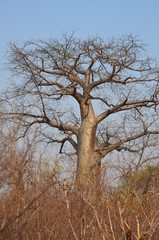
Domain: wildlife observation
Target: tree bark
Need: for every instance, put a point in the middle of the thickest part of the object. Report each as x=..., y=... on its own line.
x=88, y=160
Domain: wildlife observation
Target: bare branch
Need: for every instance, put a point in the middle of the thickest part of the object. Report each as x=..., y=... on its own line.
x=118, y=146
x=125, y=106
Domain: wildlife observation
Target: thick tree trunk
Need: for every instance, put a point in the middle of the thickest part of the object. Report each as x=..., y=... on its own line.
x=88, y=160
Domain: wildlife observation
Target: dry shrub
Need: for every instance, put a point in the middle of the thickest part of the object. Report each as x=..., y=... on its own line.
x=55, y=211
x=37, y=203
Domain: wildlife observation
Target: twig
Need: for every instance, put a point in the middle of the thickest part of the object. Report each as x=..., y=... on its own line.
x=121, y=219
x=96, y=216
x=128, y=227
x=110, y=222
x=138, y=228
x=68, y=210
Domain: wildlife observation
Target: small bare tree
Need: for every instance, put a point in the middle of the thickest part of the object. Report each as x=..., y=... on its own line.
x=100, y=96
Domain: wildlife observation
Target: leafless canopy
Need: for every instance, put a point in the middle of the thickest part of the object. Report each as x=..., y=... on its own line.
x=61, y=82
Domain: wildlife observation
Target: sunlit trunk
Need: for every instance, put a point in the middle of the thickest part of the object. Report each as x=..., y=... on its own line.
x=88, y=160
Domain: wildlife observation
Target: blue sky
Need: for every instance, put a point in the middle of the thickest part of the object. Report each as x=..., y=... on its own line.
x=22, y=20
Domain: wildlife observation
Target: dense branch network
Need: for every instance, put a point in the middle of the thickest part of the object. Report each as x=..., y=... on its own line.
x=115, y=74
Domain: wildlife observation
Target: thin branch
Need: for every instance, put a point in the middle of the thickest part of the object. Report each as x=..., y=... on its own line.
x=119, y=144
x=125, y=106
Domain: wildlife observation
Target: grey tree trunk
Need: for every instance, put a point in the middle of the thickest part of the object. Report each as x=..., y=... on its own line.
x=88, y=160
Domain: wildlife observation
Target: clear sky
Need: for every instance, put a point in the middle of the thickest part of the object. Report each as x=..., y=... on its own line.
x=40, y=19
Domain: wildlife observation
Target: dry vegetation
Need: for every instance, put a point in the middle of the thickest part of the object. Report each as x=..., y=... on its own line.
x=37, y=203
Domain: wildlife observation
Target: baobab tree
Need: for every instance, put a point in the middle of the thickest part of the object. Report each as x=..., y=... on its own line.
x=101, y=96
